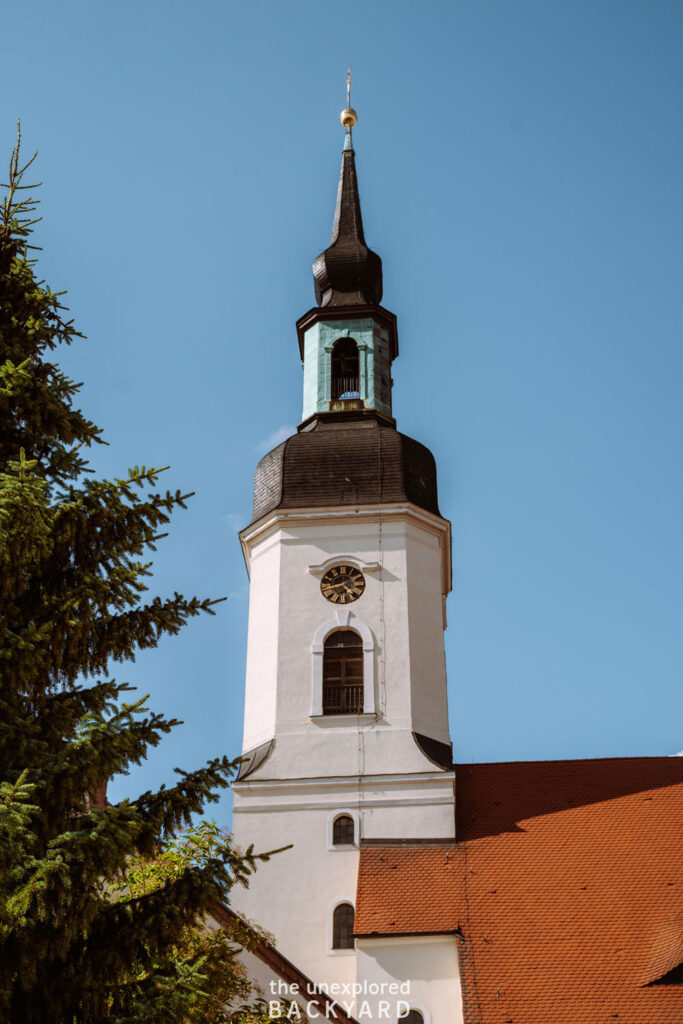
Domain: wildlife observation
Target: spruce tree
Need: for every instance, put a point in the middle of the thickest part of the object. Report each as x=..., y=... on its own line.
x=74, y=558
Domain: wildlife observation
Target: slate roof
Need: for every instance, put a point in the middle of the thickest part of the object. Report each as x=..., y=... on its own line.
x=347, y=272
x=565, y=884
x=341, y=462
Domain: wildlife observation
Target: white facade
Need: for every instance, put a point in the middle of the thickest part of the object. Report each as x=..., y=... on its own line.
x=404, y=553
x=366, y=765
x=429, y=962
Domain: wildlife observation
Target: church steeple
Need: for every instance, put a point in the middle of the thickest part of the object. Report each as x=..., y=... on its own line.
x=348, y=340
x=346, y=715
x=348, y=273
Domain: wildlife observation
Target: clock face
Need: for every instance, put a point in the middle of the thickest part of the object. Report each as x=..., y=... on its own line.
x=342, y=584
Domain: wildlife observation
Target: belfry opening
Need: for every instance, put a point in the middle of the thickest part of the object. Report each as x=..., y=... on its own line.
x=345, y=370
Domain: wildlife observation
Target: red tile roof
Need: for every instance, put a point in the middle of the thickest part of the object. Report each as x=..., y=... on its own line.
x=423, y=884
x=566, y=883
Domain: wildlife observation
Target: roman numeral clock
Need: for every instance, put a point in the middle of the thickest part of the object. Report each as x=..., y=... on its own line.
x=342, y=584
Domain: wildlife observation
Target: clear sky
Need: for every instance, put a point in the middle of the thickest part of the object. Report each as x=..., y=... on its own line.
x=520, y=167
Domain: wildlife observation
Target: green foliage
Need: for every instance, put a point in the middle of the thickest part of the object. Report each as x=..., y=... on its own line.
x=200, y=963
x=74, y=561
x=35, y=396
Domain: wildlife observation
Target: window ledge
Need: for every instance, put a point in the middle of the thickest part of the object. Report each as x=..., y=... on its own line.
x=369, y=716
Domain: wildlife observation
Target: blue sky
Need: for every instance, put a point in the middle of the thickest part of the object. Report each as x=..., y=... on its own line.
x=520, y=167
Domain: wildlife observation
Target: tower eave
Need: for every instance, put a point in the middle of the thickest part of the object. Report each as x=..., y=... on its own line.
x=318, y=313
x=273, y=518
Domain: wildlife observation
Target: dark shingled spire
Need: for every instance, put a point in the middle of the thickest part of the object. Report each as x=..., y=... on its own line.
x=347, y=273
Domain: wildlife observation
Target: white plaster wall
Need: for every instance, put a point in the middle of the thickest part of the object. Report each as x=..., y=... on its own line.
x=303, y=610
x=390, y=806
x=402, y=608
x=292, y=895
x=262, y=648
x=370, y=764
x=430, y=965
x=429, y=700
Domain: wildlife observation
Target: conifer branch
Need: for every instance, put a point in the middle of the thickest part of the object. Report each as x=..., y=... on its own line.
x=74, y=572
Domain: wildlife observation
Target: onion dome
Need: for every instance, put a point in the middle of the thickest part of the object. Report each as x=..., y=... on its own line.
x=342, y=462
x=347, y=273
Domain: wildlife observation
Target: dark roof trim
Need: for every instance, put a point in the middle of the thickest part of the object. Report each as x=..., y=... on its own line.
x=672, y=977
x=337, y=418
x=254, y=758
x=398, y=935
x=439, y=841
x=439, y=753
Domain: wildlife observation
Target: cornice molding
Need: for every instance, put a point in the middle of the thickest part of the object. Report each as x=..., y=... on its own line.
x=257, y=532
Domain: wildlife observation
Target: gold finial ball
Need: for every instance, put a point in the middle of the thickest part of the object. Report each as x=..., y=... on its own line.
x=348, y=117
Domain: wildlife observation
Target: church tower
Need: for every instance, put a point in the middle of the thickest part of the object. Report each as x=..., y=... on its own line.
x=346, y=740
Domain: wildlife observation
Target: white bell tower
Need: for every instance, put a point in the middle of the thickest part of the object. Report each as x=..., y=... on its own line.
x=346, y=722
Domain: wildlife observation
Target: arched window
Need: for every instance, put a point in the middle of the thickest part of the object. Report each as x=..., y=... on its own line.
x=345, y=369
x=343, y=831
x=343, y=673
x=411, y=1017
x=342, y=927
x=323, y=651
